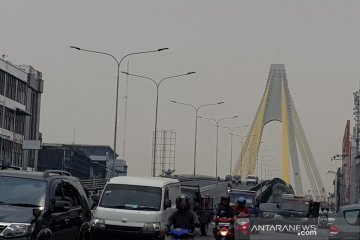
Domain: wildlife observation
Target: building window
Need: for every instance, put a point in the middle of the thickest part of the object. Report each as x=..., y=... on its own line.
x=9, y=119
x=17, y=161
x=2, y=82
x=21, y=92
x=10, y=86
x=1, y=115
x=19, y=124
x=6, y=149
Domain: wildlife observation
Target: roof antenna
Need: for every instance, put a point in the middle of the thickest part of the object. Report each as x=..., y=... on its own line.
x=74, y=137
x=4, y=56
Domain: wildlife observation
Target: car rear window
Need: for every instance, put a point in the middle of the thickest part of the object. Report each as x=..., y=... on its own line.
x=352, y=217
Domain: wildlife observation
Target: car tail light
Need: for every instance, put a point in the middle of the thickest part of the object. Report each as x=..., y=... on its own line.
x=333, y=231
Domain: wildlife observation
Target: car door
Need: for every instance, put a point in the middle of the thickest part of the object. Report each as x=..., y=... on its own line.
x=58, y=221
x=74, y=216
x=352, y=229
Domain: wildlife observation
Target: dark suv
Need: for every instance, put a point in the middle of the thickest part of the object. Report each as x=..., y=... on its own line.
x=42, y=205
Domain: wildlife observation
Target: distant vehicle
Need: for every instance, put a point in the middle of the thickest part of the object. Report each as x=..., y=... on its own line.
x=228, y=178
x=298, y=209
x=347, y=223
x=42, y=205
x=236, y=179
x=251, y=179
x=250, y=197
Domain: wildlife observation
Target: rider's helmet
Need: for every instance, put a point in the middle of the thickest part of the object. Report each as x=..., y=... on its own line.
x=225, y=199
x=241, y=201
x=183, y=202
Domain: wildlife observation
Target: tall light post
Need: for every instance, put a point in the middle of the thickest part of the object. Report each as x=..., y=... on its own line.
x=118, y=63
x=157, y=84
x=231, y=143
x=196, y=117
x=217, y=140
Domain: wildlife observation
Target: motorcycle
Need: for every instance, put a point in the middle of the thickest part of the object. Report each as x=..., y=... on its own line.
x=242, y=227
x=225, y=229
x=180, y=233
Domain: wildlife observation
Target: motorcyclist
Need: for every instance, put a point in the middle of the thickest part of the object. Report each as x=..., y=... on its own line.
x=183, y=217
x=224, y=210
x=323, y=212
x=241, y=208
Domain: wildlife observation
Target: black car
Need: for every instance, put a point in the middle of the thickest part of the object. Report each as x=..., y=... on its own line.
x=297, y=211
x=42, y=205
x=347, y=223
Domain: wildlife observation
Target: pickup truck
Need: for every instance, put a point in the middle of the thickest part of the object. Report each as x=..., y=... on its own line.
x=203, y=206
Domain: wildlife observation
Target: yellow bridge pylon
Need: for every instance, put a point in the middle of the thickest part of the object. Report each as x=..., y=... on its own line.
x=277, y=105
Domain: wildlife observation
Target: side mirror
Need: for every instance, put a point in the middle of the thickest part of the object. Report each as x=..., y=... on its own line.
x=167, y=204
x=61, y=206
x=36, y=212
x=278, y=205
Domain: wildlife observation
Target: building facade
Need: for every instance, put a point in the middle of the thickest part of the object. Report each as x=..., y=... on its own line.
x=83, y=161
x=20, y=100
x=103, y=156
x=66, y=158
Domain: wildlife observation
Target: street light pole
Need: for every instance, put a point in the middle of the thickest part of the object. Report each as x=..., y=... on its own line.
x=231, y=143
x=217, y=140
x=157, y=84
x=118, y=63
x=196, y=117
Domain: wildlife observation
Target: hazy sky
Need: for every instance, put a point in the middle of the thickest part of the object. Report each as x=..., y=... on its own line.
x=230, y=45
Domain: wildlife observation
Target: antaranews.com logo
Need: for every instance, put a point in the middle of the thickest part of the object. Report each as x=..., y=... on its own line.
x=301, y=230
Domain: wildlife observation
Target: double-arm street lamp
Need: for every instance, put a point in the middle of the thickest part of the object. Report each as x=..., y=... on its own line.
x=231, y=143
x=118, y=63
x=157, y=84
x=217, y=139
x=196, y=109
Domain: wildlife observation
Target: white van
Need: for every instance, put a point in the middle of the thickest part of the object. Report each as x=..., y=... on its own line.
x=134, y=207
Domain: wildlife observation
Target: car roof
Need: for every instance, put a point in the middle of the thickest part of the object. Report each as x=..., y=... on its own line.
x=143, y=181
x=33, y=175
x=350, y=207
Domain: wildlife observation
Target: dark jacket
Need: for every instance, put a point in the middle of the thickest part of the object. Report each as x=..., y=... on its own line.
x=183, y=219
x=225, y=211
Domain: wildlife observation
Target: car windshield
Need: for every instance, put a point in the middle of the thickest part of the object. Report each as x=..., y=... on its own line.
x=22, y=191
x=268, y=208
x=131, y=197
x=299, y=207
x=251, y=177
